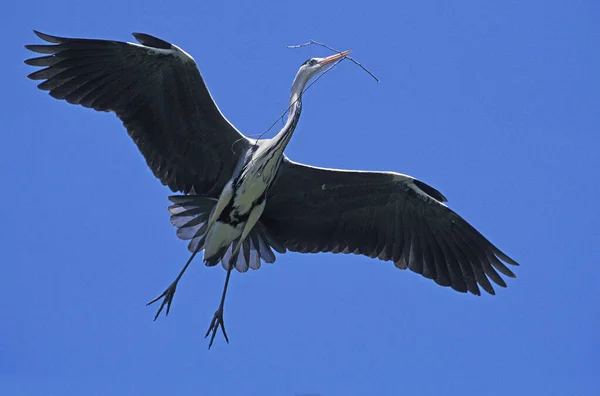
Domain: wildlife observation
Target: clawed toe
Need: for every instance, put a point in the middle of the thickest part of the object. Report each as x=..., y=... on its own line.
x=167, y=297
x=216, y=322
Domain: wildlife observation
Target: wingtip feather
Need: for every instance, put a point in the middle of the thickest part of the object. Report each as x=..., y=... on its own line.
x=49, y=38
x=151, y=41
x=505, y=258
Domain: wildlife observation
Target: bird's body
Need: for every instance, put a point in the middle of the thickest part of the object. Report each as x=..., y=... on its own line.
x=243, y=198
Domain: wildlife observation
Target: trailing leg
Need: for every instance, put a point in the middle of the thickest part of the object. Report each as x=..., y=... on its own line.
x=218, y=316
x=169, y=293
x=217, y=320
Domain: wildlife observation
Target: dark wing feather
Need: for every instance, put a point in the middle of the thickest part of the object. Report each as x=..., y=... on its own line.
x=157, y=91
x=384, y=215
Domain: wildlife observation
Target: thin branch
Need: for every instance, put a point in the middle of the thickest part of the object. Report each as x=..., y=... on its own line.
x=300, y=96
x=309, y=85
x=334, y=50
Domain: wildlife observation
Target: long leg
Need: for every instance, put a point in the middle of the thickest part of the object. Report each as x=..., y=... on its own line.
x=169, y=293
x=218, y=316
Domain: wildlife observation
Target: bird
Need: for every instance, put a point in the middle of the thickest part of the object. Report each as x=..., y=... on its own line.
x=240, y=199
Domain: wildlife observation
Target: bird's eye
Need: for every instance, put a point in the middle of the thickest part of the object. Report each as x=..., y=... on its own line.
x=312, y=62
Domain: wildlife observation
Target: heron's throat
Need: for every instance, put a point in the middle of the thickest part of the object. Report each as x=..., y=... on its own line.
x=281, y=140
x=298, y=85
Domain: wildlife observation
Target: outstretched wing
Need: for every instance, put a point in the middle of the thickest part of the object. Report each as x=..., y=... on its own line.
x=386, y=215
x=157, y=91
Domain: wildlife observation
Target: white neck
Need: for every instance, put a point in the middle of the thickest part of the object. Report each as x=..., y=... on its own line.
x=295, y=108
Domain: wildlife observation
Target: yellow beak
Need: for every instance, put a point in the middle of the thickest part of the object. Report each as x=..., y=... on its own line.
x=333, y=58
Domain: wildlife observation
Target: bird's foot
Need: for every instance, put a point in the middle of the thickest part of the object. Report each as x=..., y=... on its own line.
x=167, y=297
x=214, y=326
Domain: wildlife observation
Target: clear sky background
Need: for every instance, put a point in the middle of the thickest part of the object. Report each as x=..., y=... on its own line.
x=494, y=103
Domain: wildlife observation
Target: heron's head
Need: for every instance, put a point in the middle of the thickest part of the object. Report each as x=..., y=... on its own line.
x=311, y=68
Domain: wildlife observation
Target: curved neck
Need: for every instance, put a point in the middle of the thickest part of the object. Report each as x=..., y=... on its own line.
x=280, y=141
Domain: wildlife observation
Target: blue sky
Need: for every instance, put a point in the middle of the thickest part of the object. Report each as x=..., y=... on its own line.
x=496, y=105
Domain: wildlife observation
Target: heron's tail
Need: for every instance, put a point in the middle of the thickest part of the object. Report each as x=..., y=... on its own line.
x=190, y=214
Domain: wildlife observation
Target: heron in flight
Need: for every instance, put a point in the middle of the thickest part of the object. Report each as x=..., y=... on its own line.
x=243, y=198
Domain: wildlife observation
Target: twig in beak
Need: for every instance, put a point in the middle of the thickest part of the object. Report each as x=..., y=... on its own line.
x=334, y=50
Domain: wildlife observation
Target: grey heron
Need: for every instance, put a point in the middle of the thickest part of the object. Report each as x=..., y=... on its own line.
x=243, y=198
